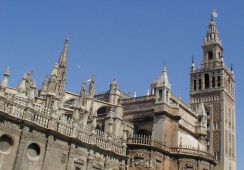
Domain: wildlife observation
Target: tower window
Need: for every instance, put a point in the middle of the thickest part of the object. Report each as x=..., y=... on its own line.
x=160, y=92
x=200, y=84
x=195, y=84
x=220, y=56
x=167, y=96
x=213, y=82
x=219, y=81
x=206, y=81
x=210, y=55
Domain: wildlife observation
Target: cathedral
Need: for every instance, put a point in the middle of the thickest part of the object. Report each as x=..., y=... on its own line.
x=50, y=128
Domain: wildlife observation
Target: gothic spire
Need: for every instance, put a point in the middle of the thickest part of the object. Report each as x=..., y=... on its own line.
x=64, y=55
x=57, y=79
x=63, y=69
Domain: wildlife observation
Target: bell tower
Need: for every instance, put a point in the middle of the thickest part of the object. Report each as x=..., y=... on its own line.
x=213, y=85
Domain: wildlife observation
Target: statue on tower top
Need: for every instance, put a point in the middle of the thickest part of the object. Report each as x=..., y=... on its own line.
x=214, y=14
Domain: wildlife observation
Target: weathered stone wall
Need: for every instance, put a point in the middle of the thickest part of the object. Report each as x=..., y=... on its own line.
x=34, y=149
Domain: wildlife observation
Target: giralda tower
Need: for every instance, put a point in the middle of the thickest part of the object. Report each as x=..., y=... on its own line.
x=213, y=85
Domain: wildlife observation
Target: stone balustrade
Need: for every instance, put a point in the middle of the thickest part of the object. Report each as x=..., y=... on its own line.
x=64, y=128
x=101, y=133
x=19, y=107
x=117, y=139
x=144, y=140
x=140, y=99
x=41, y=120
x=212, y=65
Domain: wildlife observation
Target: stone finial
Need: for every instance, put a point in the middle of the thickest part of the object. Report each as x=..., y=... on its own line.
x=163, y=79
x=32, y=90
x=83, y=91
x=4, y=83
x=114, y=82
x=22, y=86
x=201, y=110
x=193, y=68
x=44, y=87
x=92, y=86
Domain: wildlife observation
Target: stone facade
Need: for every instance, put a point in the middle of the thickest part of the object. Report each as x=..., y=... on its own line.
x=50, y=128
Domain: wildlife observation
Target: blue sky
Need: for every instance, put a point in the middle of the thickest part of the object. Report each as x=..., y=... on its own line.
x=129, y=40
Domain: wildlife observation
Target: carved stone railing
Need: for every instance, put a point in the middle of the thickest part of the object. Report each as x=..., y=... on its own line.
x=40, y=119
x=147, y=141
x=191, y=151
x=101, y=133
x=140, y=99
x=205, y=66
x=117, y=139
x=64, y=128
x=142, y=140
x=40, y=109
x=102, y=95
x=19, y=107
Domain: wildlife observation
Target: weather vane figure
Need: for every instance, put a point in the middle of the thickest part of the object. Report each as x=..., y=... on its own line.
x=214, y=14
